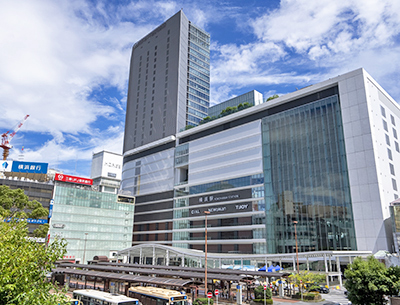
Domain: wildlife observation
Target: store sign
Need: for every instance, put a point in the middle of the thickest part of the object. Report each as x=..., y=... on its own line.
x=73, y=179
x=221, y=197
x=112, y=175
x=112, y=165
x=222, y=209
x=29, y=167
x=37, y=221
x=58, y=225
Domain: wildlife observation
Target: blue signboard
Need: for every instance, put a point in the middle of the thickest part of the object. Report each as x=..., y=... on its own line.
x=51, y=208
x=29, y=167
x=39, y=221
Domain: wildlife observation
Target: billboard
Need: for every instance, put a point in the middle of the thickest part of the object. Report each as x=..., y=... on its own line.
x=73, y=179
x=29, y=167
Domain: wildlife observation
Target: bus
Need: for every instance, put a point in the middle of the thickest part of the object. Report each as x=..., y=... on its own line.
x=97, y=297
x=157, y=296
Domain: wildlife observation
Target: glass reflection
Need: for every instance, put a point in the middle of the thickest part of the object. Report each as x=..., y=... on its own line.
x=306, y=179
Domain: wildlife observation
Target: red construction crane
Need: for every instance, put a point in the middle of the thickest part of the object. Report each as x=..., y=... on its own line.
x=7, y=137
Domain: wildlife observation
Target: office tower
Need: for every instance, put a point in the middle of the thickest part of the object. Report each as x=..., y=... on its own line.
x=326, y=156
x=169, y=82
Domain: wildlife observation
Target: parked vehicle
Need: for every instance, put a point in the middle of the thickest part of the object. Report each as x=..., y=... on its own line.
x=320, y=289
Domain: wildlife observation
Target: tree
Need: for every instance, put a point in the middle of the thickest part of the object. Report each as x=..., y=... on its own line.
x=309, y=279
x=23, y=266
x=259, y=292
x=14, y=204
x=369, y=281
x=272, y=97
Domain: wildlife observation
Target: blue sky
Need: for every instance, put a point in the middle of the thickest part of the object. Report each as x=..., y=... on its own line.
x=65, y=63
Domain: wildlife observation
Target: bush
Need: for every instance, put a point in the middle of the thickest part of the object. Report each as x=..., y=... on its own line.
x=267, y=301
x=203, y=301
x=259, y=292
x=308, y=296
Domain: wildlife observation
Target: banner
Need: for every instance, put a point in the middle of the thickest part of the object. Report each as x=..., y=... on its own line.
x=29, y=167
x=73, y=179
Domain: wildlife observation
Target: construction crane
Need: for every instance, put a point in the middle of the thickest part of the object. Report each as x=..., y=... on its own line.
x=7, y=137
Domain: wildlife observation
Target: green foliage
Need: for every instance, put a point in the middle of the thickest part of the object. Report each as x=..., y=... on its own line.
x=24, y=265
x=308, y=279
x=259, y=292
x=188, y=127
x=369, y=281
x=272, y=97
x=15, y=204
x=310, y=296
x=267, y=301
x=203, y=301
x=41, y=231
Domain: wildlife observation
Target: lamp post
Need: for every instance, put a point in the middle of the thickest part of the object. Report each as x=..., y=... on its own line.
x=297, y=257
x=205, y=263
x=297, y=249
x=84, y=247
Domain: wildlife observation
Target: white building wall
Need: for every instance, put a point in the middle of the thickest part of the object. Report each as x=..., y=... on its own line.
x=236, y=152
x=367, y=157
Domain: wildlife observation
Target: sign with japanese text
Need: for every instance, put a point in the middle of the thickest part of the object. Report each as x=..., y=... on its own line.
x=221, y=197
x=29, y=167
x=222, y=209
x=73, y=179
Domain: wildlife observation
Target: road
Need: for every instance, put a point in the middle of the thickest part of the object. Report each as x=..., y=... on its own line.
x=333, y=296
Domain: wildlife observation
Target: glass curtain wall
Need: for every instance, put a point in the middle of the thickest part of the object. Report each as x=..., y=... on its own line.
x=198, y=86
x=306, y=179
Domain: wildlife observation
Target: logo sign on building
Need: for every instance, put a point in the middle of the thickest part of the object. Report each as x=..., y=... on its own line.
x=58, y=225
x=51, y=208
x=222, y=209
x=6, y=166
x=29, y=167
x=73, y=179
x=221, y=197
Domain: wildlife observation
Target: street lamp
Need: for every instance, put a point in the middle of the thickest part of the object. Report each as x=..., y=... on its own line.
x=205, y=284
x=84, y=247
x=297, y=249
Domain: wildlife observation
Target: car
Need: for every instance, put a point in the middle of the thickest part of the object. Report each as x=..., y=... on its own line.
x=331, y=303
x=320, y=289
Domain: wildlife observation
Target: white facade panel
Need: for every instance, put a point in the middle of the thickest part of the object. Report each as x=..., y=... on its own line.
x=368, y=158
x=150, y=174
x=236, y=152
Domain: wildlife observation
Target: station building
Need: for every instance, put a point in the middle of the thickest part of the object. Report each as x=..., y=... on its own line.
x=326, y=156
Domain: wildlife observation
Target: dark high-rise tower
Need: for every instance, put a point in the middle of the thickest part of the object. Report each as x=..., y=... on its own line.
x=169, y=82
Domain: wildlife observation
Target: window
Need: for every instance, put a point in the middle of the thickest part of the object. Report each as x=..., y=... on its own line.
x=392, y=119
x=397, y=146
x=390, y=154
x=395, y=133
x=394, y=184
x=391, y=169
x=387, y=140
x=383, y=111
x=385, y=126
